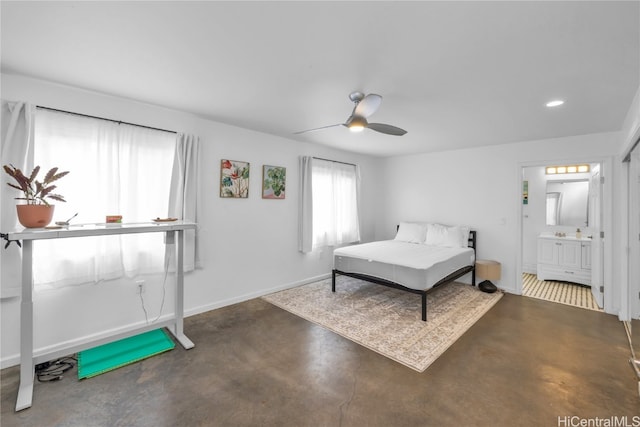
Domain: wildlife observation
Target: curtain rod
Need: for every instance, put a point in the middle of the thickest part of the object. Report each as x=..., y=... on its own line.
x=103, y=118
x=334, y=161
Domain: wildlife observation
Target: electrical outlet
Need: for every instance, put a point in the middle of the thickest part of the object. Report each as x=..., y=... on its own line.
x=141, y=287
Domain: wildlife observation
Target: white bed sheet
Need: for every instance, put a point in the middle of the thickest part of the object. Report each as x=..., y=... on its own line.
x=415, y=266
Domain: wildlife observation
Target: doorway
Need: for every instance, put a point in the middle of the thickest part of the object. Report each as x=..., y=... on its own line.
x=562, y=232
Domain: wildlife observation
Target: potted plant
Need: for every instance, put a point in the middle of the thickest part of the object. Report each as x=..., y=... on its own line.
x=36, y=212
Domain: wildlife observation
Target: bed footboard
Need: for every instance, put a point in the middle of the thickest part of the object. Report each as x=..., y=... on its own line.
x=423, y=293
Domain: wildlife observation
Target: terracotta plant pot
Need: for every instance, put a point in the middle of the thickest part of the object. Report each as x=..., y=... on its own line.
x=35, y=216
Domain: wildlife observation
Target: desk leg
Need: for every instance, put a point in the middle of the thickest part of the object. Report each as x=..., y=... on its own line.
x=27, y=368
x=178, y=331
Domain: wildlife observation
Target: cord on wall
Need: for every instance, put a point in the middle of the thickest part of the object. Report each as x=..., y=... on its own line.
x=141, y=284
x=164, y=283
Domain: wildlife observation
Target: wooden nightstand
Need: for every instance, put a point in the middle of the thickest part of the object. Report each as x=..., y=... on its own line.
x=488, y=270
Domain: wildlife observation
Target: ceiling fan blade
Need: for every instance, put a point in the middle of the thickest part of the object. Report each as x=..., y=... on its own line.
x=388, y=129
x=368, y=105
x=320, y=128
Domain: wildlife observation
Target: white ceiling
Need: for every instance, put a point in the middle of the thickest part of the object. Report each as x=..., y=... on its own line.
x=453, y=74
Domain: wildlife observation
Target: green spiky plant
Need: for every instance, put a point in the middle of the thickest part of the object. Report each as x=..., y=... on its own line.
x=35, y=192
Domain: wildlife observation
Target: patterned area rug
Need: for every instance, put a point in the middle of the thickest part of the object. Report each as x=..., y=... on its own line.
x=560, y=292
x=388, y=320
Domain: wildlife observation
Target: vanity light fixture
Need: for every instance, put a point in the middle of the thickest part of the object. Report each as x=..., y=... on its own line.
x=555, y=170
x=555, y=103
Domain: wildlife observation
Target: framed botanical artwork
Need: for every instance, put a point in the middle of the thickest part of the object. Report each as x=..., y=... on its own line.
x=234, y=179
x=274, y=179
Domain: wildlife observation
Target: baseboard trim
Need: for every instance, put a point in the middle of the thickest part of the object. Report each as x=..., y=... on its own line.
x=510, y=290
x=245, y=297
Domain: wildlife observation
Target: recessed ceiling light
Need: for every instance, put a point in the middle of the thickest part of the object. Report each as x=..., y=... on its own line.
x=555, y=103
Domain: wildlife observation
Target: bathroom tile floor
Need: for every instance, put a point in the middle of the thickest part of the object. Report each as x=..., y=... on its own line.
x=561, y=292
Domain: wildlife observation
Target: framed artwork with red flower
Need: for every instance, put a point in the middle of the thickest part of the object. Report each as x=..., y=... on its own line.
x=234, y=179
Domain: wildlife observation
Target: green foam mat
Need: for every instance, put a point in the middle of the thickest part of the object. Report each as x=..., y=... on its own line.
x=108, y=357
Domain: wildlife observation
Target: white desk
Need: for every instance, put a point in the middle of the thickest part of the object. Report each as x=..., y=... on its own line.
x=28, y=359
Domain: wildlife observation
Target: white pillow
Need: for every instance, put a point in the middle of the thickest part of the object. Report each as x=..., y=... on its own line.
x=465, y=236
x=452, y=237
x=436, y=234
x=442, y=235
x=411, y=232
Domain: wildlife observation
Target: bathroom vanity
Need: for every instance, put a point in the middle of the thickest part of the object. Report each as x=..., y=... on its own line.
x=564, y=258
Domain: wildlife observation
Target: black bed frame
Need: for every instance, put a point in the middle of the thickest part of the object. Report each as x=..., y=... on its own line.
x=453, y=276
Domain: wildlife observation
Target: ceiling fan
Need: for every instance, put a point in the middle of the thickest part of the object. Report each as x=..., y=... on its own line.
x=357, y=121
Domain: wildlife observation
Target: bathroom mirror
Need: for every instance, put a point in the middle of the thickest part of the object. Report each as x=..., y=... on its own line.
x=567, y=202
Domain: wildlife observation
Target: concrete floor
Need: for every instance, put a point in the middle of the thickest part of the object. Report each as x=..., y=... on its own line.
x=526, y=362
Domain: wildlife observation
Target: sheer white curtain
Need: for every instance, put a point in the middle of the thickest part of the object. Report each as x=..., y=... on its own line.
x=305, y=211
x=17, y=149
x=334, y=203
x=183, y=199
x=115, y=169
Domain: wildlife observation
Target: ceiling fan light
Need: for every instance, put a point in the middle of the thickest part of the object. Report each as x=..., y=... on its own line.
x=357, y=124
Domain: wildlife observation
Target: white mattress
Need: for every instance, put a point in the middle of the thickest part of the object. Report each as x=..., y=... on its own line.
x=415, y=266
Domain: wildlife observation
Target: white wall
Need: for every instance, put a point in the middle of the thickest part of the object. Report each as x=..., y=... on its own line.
x=249, y=246
x=631, y=125
x=480, y=187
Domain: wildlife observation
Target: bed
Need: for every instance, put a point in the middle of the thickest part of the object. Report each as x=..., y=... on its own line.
x=420, y=258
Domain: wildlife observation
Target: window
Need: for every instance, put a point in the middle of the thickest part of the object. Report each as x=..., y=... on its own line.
x=553, y=208
x=334, y=200
x=115, y=169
